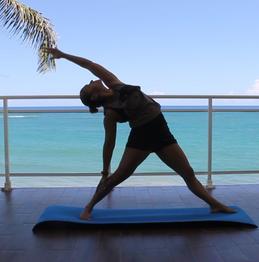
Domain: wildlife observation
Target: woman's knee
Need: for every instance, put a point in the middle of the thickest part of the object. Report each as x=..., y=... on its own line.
x=123, y=172
x=117, y=177
x=187, y=173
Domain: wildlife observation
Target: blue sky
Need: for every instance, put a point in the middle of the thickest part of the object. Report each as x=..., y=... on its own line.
x=166, y=46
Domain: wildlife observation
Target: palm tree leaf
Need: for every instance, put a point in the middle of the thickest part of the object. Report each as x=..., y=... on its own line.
x=32, y=27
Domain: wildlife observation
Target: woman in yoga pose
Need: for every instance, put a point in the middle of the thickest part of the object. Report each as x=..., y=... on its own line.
x=149, y=132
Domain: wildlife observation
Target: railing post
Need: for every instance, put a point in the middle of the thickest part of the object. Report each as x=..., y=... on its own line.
x=209, y=178
x=7, y=186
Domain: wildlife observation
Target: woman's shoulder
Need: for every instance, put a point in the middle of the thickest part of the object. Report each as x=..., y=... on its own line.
x=125, y=86
x=117, y=85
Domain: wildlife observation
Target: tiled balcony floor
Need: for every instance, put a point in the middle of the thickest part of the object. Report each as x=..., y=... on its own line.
x=20, y=209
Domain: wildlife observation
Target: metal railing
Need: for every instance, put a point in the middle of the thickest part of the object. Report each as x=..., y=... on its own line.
x=210, y=98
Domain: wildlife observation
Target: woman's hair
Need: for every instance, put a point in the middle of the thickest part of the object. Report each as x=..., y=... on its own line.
x=86, y=100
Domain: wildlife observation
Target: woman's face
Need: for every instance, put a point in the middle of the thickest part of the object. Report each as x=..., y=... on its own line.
x=96, y=91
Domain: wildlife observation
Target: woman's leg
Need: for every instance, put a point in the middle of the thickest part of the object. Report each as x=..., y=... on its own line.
x=174, y=157
x=131, y=159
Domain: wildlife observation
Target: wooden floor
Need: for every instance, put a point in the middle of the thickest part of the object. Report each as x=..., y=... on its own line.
x=20, y=209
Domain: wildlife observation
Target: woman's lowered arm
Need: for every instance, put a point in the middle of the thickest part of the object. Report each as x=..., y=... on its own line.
x=110, y=125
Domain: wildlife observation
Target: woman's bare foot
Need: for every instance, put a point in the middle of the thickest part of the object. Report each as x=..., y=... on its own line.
x=222, y=209
x=85, y=215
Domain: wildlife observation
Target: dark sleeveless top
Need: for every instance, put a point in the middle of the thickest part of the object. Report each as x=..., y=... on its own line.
x=133, y=105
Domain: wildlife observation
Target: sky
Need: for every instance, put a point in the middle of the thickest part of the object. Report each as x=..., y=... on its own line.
x=173, y=47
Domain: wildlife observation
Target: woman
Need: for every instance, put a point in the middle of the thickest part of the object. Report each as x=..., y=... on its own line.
x=149, y=132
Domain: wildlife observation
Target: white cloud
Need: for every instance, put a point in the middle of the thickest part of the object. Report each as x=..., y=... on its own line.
x=254, y=90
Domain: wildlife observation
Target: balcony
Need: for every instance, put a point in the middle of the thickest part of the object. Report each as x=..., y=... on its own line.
x=21, y=207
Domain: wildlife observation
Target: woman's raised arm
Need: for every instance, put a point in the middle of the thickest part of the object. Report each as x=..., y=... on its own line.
x=102, y=73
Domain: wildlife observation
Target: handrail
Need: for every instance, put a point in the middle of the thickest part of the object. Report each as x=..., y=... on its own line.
x=210, y=109
x=153, y=96
x=73, y=110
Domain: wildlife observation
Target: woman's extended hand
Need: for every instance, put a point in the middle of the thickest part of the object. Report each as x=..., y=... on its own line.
x=56, y=53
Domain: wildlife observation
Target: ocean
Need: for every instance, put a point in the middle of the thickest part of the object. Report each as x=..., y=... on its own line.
x=72, y=142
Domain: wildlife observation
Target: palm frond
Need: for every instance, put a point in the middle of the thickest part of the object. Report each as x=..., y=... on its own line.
x=32, y=27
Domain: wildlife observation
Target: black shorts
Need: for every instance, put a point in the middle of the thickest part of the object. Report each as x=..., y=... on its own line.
x=151, y=136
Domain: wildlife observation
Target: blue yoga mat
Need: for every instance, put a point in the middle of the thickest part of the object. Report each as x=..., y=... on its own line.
x=70, y=214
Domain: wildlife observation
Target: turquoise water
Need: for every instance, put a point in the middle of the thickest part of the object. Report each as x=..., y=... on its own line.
x=72, y=142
